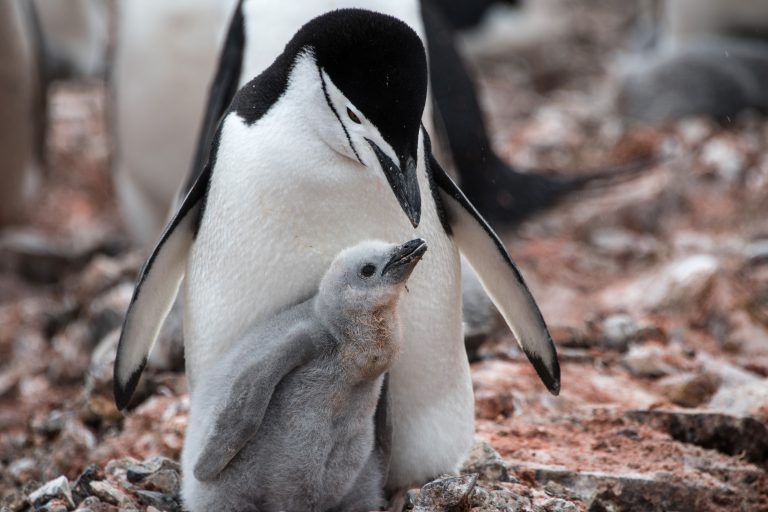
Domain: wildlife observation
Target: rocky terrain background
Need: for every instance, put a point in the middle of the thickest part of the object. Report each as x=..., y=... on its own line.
x=656, y=291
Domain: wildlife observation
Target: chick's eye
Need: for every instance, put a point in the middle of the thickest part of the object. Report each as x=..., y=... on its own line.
x=367, y=270
x=353, y=116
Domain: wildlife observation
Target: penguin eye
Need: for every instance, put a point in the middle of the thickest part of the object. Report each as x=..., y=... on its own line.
x=353, y=116
x=367, y=270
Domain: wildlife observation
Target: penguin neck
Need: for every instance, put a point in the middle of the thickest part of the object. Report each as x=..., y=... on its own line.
x=368, y=338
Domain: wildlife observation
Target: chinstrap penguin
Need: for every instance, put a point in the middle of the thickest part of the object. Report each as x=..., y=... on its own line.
x=174, y=46
x=322, y=150
x=285, y=421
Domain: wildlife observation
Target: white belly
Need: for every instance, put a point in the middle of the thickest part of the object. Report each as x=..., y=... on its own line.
x=268, y=235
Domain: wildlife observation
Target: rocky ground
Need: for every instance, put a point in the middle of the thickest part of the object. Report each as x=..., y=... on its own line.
x=656, y=291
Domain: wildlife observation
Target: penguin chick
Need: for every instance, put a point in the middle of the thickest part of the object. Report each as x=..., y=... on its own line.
x=286, y=420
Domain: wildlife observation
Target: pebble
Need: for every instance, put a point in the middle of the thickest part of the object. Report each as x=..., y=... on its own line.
x=445, y=494
x=690, y=389
x=749, y=399
x=486, y=462
x=679, y=283
x=158, y=500
x=647, y=361
x=105, y=491
x=619, y=331
x=56, y=488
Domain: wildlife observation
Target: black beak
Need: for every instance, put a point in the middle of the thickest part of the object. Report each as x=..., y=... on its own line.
x=403, y=260
x=403, y=181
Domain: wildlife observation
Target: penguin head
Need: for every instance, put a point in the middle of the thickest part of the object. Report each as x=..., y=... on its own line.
x=367, y=73
x=358, y=300
x=368, y=277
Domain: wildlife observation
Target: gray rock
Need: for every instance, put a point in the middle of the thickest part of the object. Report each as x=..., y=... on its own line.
x=107, y=492
x=55, y=505
x=141, y=470
x=619, y=331
x=57, y=488
x=159, y=500
x=166, y=481
x=727, y=434
x=647, y=361
x=634, y=491
x=741, y=400
x=448, y=494
x=556, y=505
x=92, y=504
x=690, y=389
x=680, y=283
x=486, y=462
x=81, y=490
x=22, y=469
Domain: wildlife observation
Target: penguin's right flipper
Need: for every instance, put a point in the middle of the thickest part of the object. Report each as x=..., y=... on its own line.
x=239, y=418
x=223, y=89
x=496, y=271
x=155, y=291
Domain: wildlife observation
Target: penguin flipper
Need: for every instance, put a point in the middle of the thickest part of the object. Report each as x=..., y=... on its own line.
x=238, y=420
x=223, y=88
x=498, y=274
x=155, y=291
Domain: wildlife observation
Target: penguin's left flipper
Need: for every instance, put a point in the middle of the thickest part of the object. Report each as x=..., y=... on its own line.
x=222, y=90
x=239, y=418
x=497, y=272
x=153, y=297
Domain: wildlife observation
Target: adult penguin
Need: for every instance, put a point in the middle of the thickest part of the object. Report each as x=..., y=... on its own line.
x=19, y=103
x=174, y=46
x=323, y=149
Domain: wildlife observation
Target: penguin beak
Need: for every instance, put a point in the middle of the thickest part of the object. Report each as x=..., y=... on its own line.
x=403, y=260
x=403, y=181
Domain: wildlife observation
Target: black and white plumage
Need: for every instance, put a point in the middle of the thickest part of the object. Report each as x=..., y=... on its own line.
x=285, y=421
x=297, y=171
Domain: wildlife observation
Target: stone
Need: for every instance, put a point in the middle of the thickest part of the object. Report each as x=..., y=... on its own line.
x=619, y=331
x=623, y=244
x=556, y=505
x=647, y=361
x=94, y=504
x=635, y=491
x=166, y=481
x=23, y=469
x=743, y=399
x=690, y=389
x=448, y=493
x=81, y=490
x=727, y=434
x=55, y=505
x=158, y=500
x=138, y=471
x=14, y=502
x=682, y=282
x=486, y=463
x=35, y=257
x=491, y=404
x=58, y=488
x=107, y=492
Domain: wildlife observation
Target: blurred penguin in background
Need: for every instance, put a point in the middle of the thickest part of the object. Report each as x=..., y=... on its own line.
x=19, y=101
x=495, y=29
x=75, y=37
x=709, y=57
x=40, y=41
x=165, y=56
